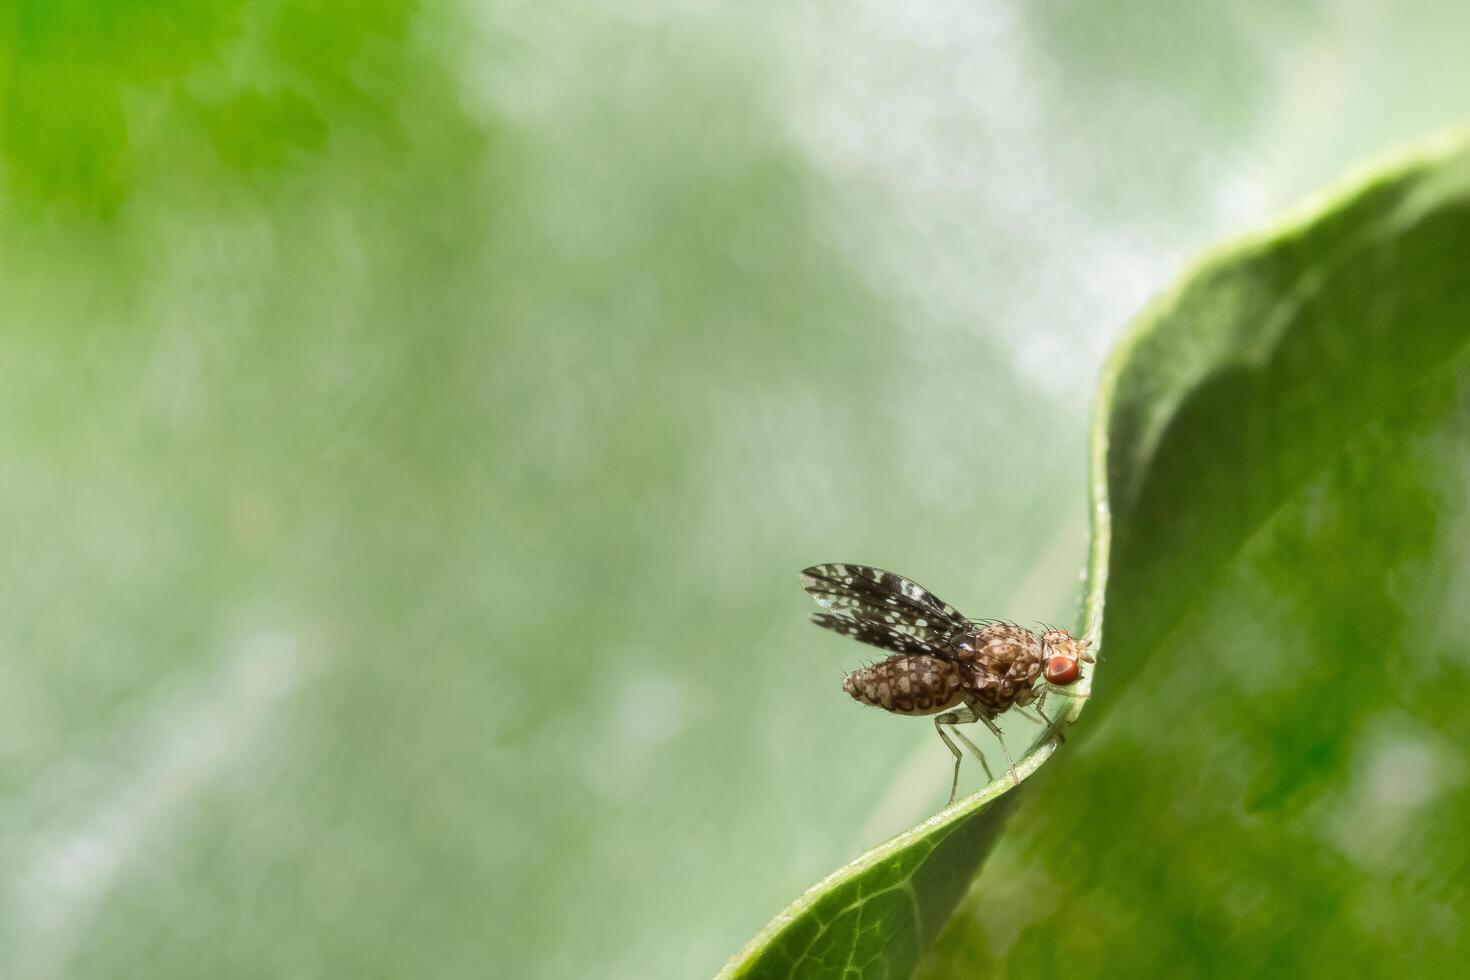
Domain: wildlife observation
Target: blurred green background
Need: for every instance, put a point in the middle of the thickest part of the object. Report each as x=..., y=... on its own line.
x=414, y=418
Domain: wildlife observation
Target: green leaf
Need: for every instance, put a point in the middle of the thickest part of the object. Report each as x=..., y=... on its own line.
x=875, y=916
x=1286, y=371
x=1283, y=789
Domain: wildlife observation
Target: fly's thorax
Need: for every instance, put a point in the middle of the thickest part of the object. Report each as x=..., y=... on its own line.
x=907, y=685
x=1004, y=645
x=1000, y=654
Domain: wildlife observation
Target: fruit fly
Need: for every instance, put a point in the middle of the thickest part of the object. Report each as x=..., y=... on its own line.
x=959, y=670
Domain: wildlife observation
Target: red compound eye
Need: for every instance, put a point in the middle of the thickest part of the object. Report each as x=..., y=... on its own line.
x=1062, y=671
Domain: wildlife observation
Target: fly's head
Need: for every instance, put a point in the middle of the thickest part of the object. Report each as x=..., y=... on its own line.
x=1064, y=657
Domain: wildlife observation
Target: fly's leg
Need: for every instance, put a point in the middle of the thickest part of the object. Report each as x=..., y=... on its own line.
x=1045, y=718
x=1061, y=735
x=950, y=718
x=995, y=729
x=989, y=776
x=1037, y=715
x=953, y=718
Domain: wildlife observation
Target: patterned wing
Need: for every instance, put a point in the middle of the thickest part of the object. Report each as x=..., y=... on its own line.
x=881, y=635
x=873, y=595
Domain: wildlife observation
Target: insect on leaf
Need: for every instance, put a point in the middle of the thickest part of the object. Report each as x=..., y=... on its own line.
x=1315, y=329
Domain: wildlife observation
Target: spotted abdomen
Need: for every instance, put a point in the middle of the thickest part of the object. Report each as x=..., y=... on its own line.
x=907, y=685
